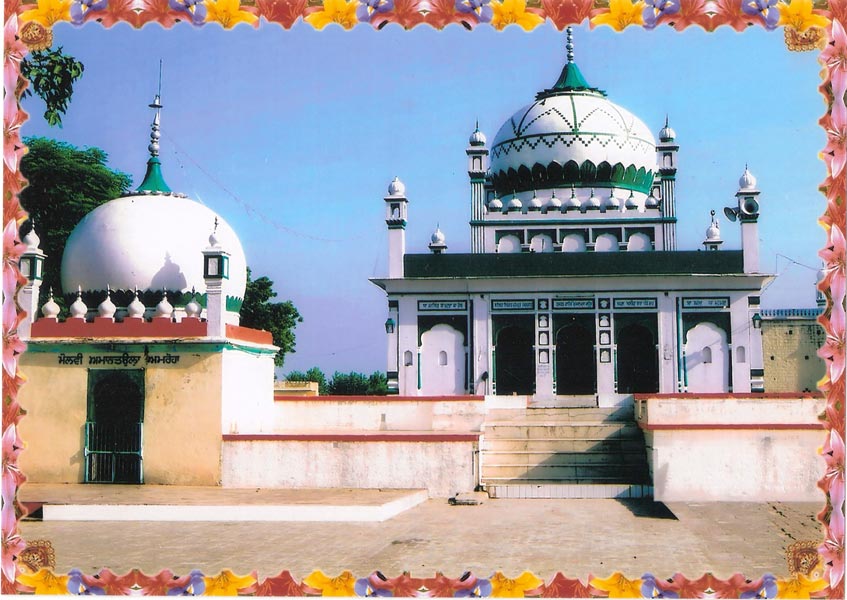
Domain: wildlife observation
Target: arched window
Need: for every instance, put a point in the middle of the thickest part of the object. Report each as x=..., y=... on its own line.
x=509, y=244
x=407, y=358
x=707, y=355
x=442, y=358
x=541, y=243
x=573, y=243
x=639, y=242
x=606, y=242
x=740, y=355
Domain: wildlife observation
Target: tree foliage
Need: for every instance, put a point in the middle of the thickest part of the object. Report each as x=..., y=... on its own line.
x=344, y=384
x=279, y=318
x=314, y=374
x=65, y=184
x=52, y=74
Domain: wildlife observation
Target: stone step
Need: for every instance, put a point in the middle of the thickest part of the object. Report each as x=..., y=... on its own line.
x=561, y=414
x=617, y=472
x=553, y=458
x=545, y=430
x=549, y=490
x=620, y=444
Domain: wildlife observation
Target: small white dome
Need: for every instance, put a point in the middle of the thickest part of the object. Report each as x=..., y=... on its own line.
x=136, y=308
x=611, y=202
x=193, y=309
x=631, y=203
x=747, y=181
x=651, y=201
x=593, y=202
x=396, y=187
x=667, y=134
x=514, y=204
x=78, y=309
x=164, y=308
x=31, y=240
x=554, y=202
x=477, y=138
x=534, y=203
x=50, y=309
x=495, y=205
x=437, y=236
x=573, y=201
x=107, y=308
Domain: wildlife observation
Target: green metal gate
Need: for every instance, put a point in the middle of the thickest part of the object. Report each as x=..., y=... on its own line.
x=113, y=452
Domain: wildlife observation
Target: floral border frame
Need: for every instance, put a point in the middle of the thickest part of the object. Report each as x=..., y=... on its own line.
x=807, y=25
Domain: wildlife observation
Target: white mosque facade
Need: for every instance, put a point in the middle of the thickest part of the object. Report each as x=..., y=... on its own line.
x=574, y=287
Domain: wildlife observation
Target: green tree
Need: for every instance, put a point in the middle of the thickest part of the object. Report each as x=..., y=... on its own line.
x=65, y=184
x=52, y=74
x=313, y=374
x=279, y=318
x=358, y=384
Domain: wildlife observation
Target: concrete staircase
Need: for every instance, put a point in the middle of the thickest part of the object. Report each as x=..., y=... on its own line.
x=564, y=453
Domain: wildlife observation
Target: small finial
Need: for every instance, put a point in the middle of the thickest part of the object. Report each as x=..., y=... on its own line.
x=216, y=225
x=569, y=45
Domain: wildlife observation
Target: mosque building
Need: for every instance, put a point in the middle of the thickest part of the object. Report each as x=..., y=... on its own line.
x=150, y=365
x=574, y=352
x=574, y=286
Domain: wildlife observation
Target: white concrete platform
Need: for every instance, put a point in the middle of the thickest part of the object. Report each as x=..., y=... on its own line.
x=175, y=503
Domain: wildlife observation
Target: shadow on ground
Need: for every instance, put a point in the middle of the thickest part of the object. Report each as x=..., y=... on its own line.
x=645, y=507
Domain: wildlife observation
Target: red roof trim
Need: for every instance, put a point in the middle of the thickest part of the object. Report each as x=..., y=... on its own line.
x=161, y=327
x=728, y=396
x=248, y=334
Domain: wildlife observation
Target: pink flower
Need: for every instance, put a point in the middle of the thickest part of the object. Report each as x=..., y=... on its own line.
x=835, y=153
x=12, y=544
x=834, y=57
x=833, y=350
x=13, y=147
x=567, y=12
x=14, y=51
x=12, y=250
x=832, y=550
x=12, y=476
x=833, y=453
x=729, y=12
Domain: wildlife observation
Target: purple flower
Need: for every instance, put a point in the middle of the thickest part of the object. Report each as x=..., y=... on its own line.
x=649, y=587
x=194, y=586
x=765, y=8
x=79, y=584
x=80, y=8
x=480, y=8
x=762, y=588
x=195, y=9
x=367, y=8
x=656, y=9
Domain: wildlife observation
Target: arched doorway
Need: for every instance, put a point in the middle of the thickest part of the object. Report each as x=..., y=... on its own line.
x=113, y=429
x=576, y=369
x=442, y=361
x=514, y=361
x=637, y=360
x=706, y=359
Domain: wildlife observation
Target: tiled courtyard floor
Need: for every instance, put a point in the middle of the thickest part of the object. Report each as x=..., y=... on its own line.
x=577, y=537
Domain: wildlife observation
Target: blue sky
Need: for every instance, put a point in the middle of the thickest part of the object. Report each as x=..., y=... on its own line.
x=293, y=136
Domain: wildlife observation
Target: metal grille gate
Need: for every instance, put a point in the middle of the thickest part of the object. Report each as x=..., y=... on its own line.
x=113, y=452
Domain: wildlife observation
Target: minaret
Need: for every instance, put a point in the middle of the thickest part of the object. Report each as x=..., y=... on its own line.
x=477, y=167
x=713, y=239
x=32, y=267
x=666, y=151
x=396, y=206
x=153, y=181
x=748, y=214
x=215, y=270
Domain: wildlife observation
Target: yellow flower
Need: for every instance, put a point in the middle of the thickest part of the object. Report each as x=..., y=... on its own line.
x=48, y=12
x=622, y=14
x=799, y=587
x=799, y=15
x=334, y=11
x=343, y=585
x=45, y=582
x=227, y=583
x=513, y=11
x=503, y=587
x=617, y=585
x=228, y=13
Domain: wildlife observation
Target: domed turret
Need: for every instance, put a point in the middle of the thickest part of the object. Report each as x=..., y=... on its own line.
x=667, y=134
x=713, y=234
x=477, y=137
x=78, y=310
x=50, y=310
x=747, y=180
x=107, y=308
x=396, y=187
x=437, y=242
x=150, y=239
x=554, y=203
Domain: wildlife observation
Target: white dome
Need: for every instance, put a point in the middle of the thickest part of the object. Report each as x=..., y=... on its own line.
x=477, y=138
x=154, y=242
x=576, y=126
x=747, y=181
x=437, y=236
x=396, y=187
